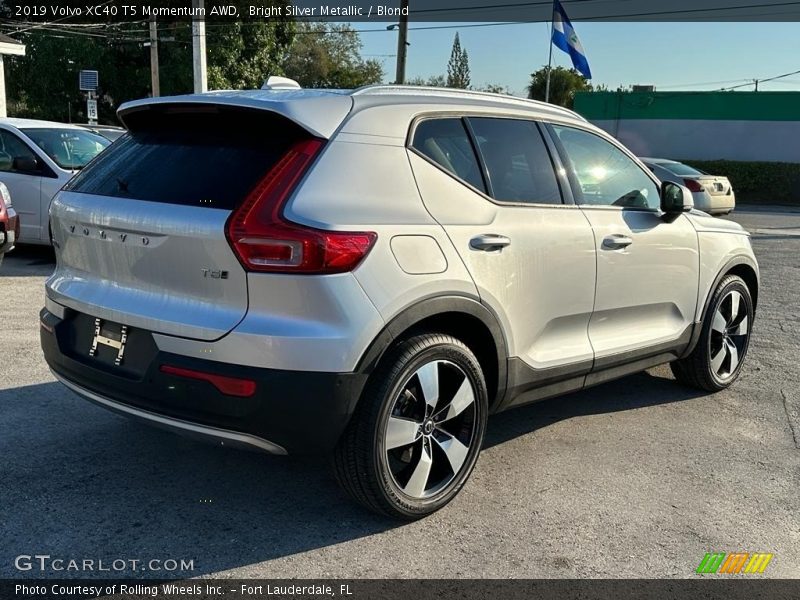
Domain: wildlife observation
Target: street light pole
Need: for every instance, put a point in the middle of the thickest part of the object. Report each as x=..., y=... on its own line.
x=154, y=80
x=402, y=43
x=199, y=48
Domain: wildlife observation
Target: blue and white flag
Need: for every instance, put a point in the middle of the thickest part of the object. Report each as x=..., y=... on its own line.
x=565, y=38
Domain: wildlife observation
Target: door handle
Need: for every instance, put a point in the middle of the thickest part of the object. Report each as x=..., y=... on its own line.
x=489, y=242
x=617, y=242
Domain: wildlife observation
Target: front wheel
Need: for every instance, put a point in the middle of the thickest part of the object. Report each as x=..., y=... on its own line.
x=416, y=435
x=717, y=359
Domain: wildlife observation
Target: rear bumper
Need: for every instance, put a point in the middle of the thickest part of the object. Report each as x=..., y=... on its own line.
x=215, y=435
x=295, y=412
x=714, y=204
x=7, y=239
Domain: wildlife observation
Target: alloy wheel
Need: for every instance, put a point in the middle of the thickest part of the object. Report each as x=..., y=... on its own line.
x=430, y=429
x=730, y=330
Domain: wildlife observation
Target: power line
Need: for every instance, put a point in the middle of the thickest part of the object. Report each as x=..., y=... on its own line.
x=756, y=82
x=47, y=26
x=702, y=83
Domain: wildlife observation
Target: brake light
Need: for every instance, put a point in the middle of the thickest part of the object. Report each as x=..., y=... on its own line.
x=693, y=185
x=230, y=386
x=264, y=241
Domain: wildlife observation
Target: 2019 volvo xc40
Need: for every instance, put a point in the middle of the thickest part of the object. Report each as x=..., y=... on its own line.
x=372, y=273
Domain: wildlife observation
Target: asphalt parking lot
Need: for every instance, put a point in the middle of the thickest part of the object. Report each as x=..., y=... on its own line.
x=636, y=478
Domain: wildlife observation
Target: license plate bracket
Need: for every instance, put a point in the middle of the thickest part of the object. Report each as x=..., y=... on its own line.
x=112, y=335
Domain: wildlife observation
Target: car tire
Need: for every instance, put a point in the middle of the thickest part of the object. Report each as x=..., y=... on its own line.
x=416, y=434
x=717, y=358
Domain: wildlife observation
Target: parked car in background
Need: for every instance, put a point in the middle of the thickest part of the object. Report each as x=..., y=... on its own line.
x=484, y=252
x=110, y=132
x=9, y=222
x=712, y=193
x=36, y=159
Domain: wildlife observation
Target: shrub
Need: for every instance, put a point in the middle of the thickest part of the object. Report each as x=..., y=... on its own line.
x=757, y=182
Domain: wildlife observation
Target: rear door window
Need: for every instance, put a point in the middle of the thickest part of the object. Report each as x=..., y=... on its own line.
x=446, y=142
x=519, y=165
x=205, y=159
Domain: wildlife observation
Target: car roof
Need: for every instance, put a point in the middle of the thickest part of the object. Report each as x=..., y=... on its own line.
x=659, y=161
x=35, y=124
x=322, y=111
x=428, y=95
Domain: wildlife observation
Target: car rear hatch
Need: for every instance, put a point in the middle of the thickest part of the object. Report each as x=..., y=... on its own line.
x=140, y=234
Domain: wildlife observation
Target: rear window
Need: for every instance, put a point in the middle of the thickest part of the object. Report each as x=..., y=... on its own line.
x=193, y=156
x=680, y=169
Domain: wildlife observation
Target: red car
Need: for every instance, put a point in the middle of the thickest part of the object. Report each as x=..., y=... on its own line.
x=9, y=222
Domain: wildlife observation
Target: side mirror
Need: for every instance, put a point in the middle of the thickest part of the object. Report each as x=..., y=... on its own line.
x=675, y=198
x=26, y=164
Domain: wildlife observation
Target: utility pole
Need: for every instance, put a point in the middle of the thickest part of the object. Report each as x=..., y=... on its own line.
x=155, y=87
x=756, y=82
x=402, y=43
x=199, y=47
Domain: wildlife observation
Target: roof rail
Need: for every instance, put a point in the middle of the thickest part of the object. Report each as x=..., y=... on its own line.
x=411, y=90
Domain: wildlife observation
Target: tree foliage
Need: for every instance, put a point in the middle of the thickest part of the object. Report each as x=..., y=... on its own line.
x=495, y=88
x=458, y=75
x=44, y=83
x=242, y=54
x=432, y=81
x=563, y=85
x=326, y=55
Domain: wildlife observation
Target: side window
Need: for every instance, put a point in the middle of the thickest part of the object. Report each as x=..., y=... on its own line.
x=519, y=164
x=445, y=142
x=603, y=174
x=12, y=147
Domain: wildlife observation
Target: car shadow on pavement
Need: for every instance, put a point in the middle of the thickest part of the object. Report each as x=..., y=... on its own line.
x=28, y=261
x=79, y=482
x=629, y=393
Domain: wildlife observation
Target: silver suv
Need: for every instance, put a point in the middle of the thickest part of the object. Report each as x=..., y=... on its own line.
x=371, y=273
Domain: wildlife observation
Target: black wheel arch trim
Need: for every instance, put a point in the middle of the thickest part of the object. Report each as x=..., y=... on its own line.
x=436, y=306
x=731, y=264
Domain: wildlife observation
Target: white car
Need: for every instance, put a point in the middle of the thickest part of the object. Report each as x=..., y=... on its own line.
x=36, y=159
x=711, y=193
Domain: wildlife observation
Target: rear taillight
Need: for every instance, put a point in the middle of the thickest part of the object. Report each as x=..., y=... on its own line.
x=264, y=241
x=693, y=185
x=230, y=386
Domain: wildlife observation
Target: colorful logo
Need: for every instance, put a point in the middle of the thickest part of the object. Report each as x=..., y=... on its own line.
x=733, y=563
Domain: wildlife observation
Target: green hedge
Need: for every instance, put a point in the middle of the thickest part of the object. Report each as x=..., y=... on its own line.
x=757, y=182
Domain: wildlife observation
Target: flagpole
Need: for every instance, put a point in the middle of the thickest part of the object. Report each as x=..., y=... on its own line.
x=550, y=57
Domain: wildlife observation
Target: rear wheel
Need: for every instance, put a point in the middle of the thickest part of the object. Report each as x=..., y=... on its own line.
x=417, y=433
x=717, y=359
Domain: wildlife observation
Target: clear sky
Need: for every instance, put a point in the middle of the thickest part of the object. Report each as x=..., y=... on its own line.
x=668, y=55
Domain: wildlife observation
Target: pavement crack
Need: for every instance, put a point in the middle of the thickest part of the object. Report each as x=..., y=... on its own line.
x=789, y=419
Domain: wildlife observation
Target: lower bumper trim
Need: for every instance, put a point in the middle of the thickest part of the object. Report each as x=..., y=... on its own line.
x=222, y=437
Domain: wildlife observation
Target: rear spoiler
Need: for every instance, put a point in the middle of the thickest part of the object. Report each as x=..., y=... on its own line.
x=318, y=112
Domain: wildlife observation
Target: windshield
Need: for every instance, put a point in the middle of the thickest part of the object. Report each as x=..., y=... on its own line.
x=680, y=169
x=69, y=148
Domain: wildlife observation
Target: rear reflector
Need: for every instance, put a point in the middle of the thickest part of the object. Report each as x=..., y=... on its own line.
x=230, y=386
x=264, y=240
